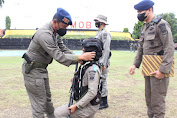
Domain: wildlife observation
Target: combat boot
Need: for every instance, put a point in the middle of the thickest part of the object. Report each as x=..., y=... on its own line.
x=104, y=103
x=51, y=115
x=50, y=110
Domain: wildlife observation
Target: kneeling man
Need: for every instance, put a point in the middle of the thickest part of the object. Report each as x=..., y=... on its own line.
x=87, y=85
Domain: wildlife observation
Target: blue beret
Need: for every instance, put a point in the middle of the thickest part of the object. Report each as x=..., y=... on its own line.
x=64, y=16
x=144, y=5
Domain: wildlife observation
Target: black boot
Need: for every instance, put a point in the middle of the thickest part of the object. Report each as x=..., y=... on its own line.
x=51, y=115
x=104, y=103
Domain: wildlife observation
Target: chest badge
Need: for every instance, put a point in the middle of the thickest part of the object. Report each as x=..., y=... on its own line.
x=151, y=28
x=152, y=43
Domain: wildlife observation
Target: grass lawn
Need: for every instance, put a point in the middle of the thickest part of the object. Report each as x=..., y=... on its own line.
x=126, y=93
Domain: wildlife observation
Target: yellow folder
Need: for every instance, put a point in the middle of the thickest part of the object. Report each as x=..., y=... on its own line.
x=152, y=63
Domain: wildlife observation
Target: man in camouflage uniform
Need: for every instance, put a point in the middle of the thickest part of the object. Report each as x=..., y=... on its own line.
x=105, y=36
x=43, y=48
x=155, y=39
x=88, y=76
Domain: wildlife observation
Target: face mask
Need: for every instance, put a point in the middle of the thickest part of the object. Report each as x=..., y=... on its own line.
x=61, y=32
x=97, y=24
x=141, y=17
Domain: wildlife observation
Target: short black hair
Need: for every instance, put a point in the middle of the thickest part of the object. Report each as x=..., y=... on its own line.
x=55, y=17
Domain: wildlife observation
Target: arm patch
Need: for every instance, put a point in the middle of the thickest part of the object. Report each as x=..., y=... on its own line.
x=104, y=35
x=163, y=29
x=92, y=75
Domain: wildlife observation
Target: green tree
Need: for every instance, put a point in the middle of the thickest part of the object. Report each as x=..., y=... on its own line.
x=8, y=22
x=137, y=29
x=1, y=2
x=170, y=18
x=125, y=30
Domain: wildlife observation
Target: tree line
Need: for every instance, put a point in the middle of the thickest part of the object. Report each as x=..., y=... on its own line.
x=1, y=2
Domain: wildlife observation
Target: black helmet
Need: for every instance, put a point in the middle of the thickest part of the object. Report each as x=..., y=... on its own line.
x=93, y=45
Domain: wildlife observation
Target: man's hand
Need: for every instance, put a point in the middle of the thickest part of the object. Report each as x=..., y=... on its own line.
x=132, y=70
x=158, y=74
x=72, y=108
x=87, y=56
x=103, y=68
x=71, y=80
x=81, y=62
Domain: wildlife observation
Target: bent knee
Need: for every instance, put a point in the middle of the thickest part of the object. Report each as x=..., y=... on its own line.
x=61, y=112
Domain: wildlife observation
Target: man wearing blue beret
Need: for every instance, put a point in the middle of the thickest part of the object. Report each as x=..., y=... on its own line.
x=155, y=39
x=45, y=46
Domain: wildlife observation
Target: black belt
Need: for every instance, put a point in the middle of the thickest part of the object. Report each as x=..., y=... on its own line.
x=159, y=53
x=39, y=65
x=33, y=63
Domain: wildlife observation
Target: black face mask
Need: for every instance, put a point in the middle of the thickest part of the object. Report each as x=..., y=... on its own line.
x=61, y=32
x=97, y=24
x=141, y=17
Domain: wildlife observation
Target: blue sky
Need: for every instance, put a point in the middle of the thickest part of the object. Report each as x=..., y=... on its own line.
x=31, y=14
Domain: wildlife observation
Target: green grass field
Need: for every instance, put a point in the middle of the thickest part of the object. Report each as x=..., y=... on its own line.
x=126, y=93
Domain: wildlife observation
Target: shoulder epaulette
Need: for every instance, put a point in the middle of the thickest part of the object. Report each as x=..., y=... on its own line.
x=158, y=19
x=94, y=68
